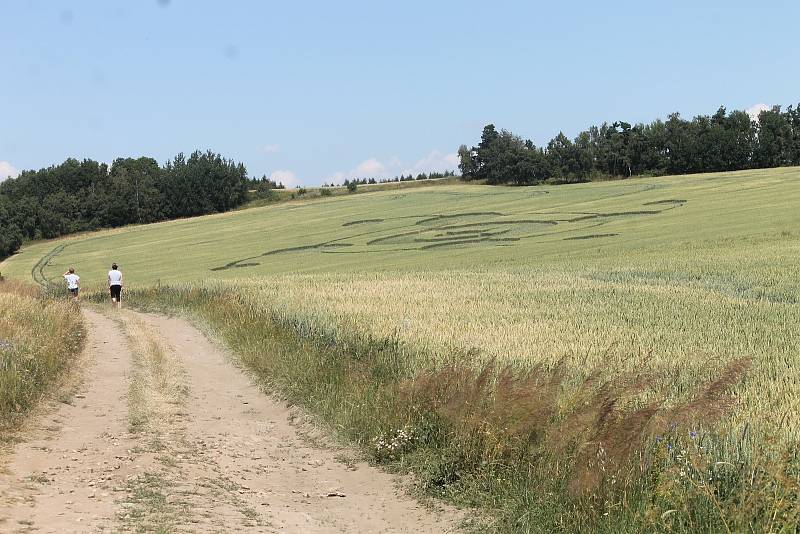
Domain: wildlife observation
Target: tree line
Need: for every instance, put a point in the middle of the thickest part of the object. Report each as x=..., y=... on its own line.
x=720, y=142
x=434, y=175
x=78, y=196
x=264, y=184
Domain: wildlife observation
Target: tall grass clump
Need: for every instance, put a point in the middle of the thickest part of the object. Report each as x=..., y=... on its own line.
x=39, y=340
x=537, y=447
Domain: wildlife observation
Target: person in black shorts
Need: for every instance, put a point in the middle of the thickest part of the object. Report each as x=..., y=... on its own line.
x=115, y=285
x=73, y=283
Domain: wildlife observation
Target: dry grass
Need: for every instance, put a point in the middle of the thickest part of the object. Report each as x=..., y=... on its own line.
x=39, y=341
x=507, y=416
x=20, y=289
x=158, y=385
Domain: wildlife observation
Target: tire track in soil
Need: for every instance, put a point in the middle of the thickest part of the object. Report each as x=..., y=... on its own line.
x=64, y=475
x=166, y=433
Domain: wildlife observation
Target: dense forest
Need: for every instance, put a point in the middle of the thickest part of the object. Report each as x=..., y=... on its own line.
x=76, y=196
x=720, y=142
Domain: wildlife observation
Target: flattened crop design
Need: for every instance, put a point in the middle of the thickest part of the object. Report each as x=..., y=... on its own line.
x=434, y=231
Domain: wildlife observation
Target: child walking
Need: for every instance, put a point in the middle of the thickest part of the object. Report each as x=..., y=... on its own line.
x=73, y=283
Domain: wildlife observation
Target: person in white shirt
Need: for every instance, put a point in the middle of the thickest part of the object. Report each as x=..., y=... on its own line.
x=115, y=285
x=73, y=283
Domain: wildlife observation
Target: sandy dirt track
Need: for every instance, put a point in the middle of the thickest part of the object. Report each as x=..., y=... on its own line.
x=165, y=434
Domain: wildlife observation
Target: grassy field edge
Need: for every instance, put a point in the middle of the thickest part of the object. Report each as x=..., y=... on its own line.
x=495, y=440
x=41, y=338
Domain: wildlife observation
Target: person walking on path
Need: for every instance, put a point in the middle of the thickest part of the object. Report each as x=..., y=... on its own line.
x=115, y=285
x=73, y=283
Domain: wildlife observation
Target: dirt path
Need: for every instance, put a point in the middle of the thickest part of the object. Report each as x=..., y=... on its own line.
x=165, y=435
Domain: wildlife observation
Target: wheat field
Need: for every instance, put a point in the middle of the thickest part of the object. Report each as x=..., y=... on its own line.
x=464, y=227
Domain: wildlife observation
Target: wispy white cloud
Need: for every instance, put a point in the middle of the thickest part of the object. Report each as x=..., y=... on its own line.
x=285, y=177
x=270, y=149
x=435, y=161
x=756, y=109
x=7, y=171
x=337, y=178
x=370, y=167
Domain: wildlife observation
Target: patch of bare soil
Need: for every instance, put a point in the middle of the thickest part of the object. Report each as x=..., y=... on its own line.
x=66, y=473
x=167, y=435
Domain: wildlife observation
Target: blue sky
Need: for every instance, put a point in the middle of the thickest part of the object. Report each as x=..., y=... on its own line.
x=312, y=91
